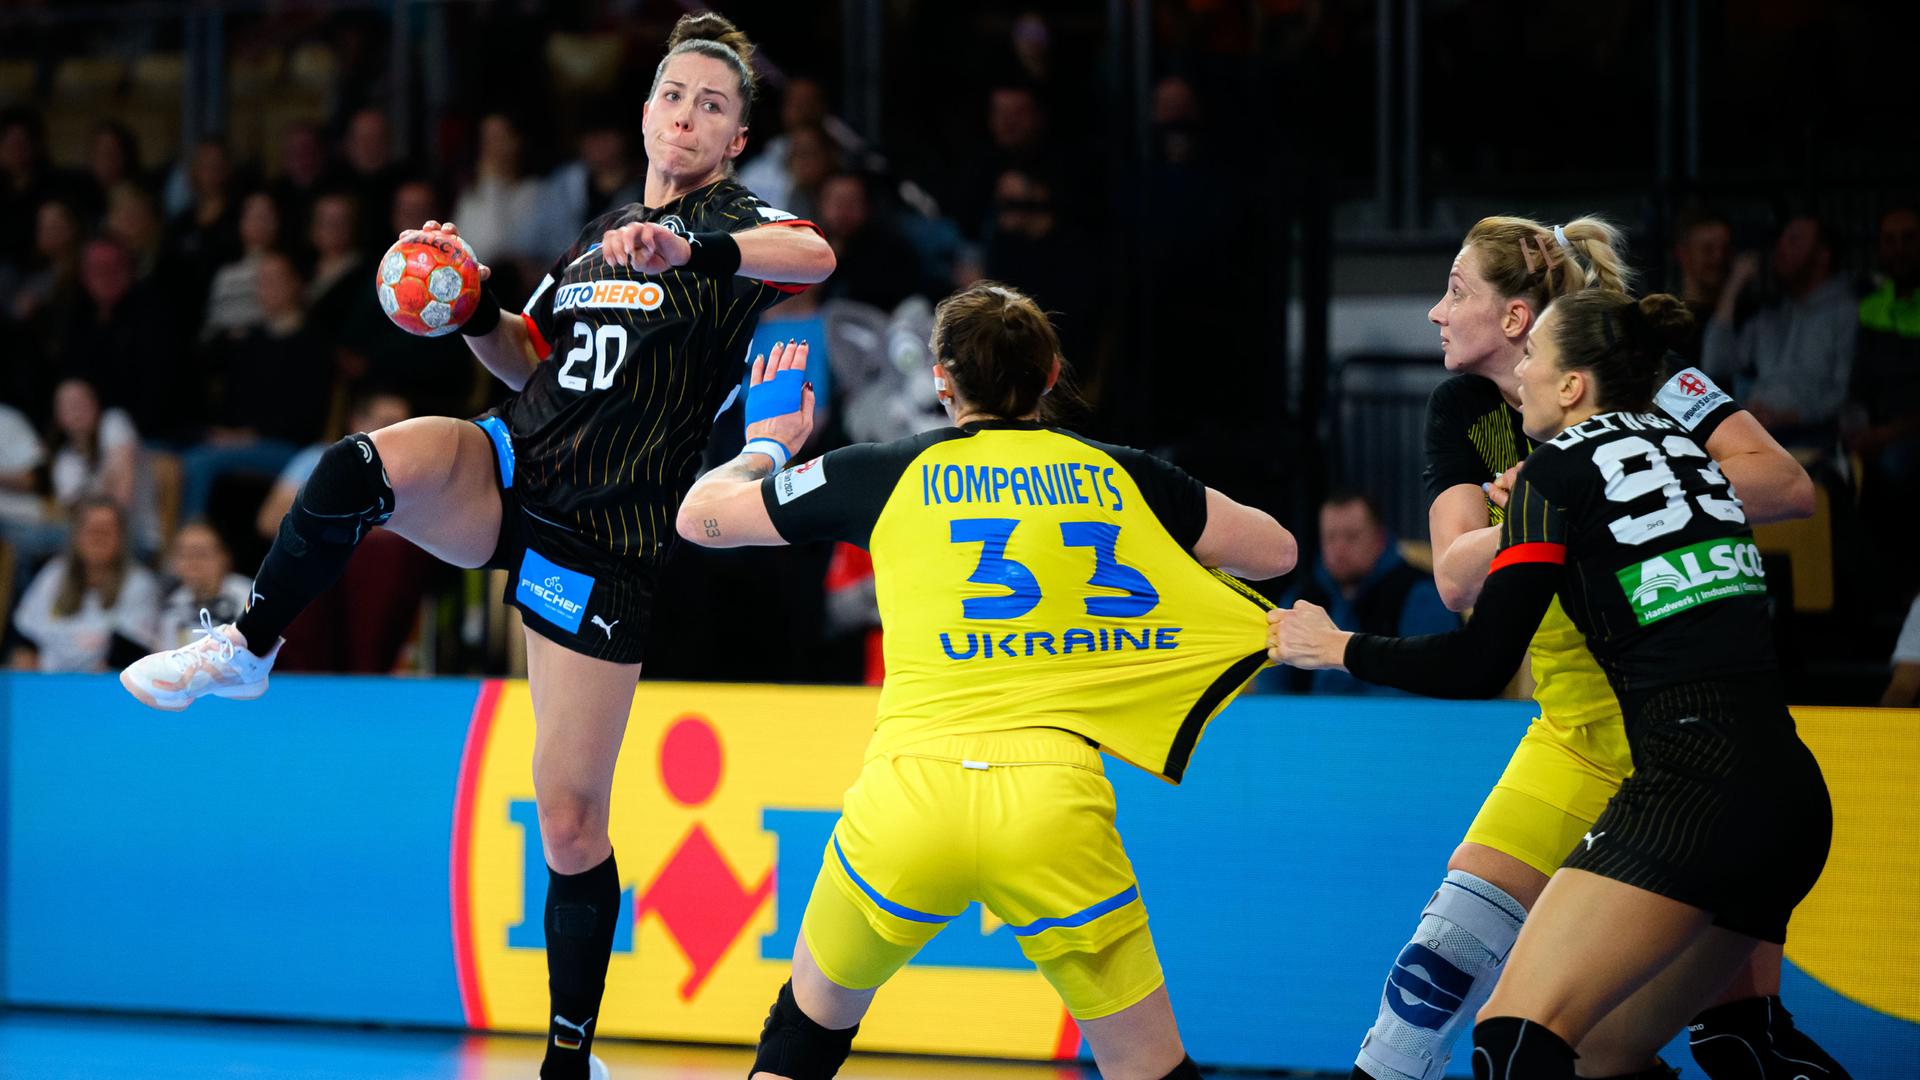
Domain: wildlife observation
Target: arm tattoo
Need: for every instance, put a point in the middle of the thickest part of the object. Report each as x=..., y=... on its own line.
x=712, y=526
x=747, y=468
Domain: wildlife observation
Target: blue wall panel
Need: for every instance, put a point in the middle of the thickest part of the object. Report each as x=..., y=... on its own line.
x=280, y=858
x=290, y=858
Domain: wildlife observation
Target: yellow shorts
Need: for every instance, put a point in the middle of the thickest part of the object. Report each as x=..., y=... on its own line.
x=1554, y=787
x=1021, y=821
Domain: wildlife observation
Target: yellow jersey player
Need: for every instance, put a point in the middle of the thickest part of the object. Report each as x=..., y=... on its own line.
x=1045, y=599
x=1574, y=756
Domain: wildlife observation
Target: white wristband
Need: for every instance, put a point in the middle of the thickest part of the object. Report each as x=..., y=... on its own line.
x=770, y=447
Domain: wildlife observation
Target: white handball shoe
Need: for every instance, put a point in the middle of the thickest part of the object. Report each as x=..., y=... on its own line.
x=596, y=1069
x=218, y=664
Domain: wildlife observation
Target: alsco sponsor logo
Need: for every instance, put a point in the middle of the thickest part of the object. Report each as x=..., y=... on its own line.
x=1690, y=576
x=643, y=295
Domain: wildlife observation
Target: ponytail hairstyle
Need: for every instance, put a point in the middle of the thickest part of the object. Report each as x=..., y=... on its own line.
x=1541, y=263
x=1622, y=342
x=999, y=348
x=712, y=34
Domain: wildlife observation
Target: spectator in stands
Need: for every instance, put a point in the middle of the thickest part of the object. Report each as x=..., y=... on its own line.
x=1029, y=246
x=1360, y=572
x=1883, y=417
x=123, y=340
x=275, y=384
x=803, y=105
x=341, y=310
x=362, y=622
x=601, y=178
x=1791, y=360
x=1702, y=250
x=113, y=158
x=811, y=157
x=97, y=455
x=370, y=171
x=207, y=234
x=202, y=580
x=26, y=181
x=876, y=265
x=1017, y=140
x=302, y=176
x=27, y=525
x=497, y=211
x=133, y=218
x=52, y=279
x=233, y=299
x=92, y=606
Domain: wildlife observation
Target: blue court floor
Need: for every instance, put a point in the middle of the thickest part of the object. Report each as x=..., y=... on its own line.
x=55, y=1046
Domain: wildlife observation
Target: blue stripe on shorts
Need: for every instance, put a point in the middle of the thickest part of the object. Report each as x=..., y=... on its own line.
x=897, y=910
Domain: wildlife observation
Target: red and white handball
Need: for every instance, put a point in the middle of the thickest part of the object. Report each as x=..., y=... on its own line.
x=429, y=283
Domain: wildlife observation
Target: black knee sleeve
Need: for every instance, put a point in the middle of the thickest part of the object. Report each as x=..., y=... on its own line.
x=1509, y=1048
x=792, y=1045
x=346, y=495
x=1754, y=1039
x=1186, y=1070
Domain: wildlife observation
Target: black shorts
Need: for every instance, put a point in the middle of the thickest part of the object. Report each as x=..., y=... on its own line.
x=568, y=588
x=1726, y=809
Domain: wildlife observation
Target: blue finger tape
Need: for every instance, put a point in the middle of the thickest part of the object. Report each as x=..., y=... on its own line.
x=777, y=396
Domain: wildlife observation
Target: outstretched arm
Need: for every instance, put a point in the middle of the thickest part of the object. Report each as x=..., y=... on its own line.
x=1471, y=662
x=724, y=508
x=788, y=252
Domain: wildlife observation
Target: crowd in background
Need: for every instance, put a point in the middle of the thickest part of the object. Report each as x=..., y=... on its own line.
x=185, y=329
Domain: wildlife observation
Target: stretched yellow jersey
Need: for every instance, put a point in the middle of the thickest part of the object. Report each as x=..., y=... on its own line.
x=1028, y=577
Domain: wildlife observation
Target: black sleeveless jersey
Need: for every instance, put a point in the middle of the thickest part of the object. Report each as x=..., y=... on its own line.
x=1628, y=520
x=608, y=432
x=1661, y=572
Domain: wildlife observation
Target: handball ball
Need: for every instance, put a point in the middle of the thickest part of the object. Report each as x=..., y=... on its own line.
x=428, y=284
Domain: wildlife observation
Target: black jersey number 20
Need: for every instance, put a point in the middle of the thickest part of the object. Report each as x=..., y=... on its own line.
x=1675, y=512
x=609, y=338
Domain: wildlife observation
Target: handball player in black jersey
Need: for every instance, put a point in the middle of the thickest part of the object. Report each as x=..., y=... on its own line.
x=620, y=361
x=1574, y=754
x=1725, y=823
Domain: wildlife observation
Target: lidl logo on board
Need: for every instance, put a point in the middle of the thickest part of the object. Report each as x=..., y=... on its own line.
x=640, y=295
x=722, y=810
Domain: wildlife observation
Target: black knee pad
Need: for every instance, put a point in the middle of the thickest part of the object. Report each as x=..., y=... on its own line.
x=1186, y=1070
x=1509, y=1048
x=792, y=1045
x=346, y=495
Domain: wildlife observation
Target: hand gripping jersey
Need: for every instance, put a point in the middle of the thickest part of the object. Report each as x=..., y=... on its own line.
x=1028, y=577
x=1473, y=435
x=1629, y=521
x=607, y=434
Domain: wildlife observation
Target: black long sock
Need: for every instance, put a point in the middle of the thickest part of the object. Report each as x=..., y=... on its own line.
x=1754, y=1039
x=346, y=495
x=1509, y=1048
x=582, y=910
